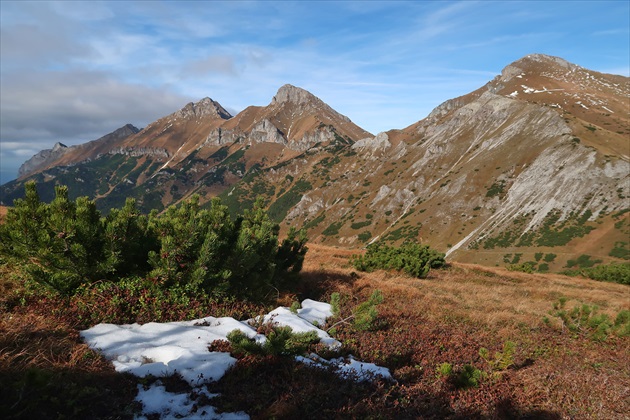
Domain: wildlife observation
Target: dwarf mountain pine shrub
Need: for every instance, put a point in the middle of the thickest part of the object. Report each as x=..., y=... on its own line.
x=281, y=341
x=613, y=272
x=586, y=320
x=466, y=377
x=414, y=259
x=62, y=244
x=66, y=244
x=363, y=316
x=502, y=360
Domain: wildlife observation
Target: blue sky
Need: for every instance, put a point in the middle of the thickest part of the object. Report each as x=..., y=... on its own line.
x=73, y=71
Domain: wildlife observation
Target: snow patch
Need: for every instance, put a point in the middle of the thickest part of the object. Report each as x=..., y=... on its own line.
x=163, y=349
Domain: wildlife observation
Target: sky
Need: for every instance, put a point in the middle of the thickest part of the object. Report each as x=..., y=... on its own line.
x=74, y=71
x=161, y=349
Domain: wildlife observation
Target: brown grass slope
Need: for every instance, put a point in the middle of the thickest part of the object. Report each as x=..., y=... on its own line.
x=45, y=370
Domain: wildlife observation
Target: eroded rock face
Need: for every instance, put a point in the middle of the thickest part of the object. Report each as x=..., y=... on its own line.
x=203, y=108
x=374, y=144
x=41, y=158
x=266, y=132
x=292, y=94
x=140, y=151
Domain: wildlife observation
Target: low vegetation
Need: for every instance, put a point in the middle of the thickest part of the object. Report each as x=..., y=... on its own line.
x=186, y=250
x=587, y=320
x=613, y=272
x=464, y=341
x=413, y=259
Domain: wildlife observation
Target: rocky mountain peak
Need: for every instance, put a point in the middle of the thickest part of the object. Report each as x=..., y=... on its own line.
x=536, y=63
x=548, y=59
x=58, y=146
x=124, y=131
x=294, y=95
x=204, y=107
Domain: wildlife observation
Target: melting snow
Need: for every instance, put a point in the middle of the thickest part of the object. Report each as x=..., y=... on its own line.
x=527, y=89
x=162, y=349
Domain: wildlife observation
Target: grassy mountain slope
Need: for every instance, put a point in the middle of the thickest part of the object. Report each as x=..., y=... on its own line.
x=536, y=161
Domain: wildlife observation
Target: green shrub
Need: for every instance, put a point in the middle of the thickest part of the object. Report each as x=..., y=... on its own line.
x=585, y=319
x=526, y=267
x=613, y=272
x=363, y=316
x=66, y=244
x=583, y=261
x=366, y=313
x=620, y=250
x=502, y=360
x=444, y=370
x=279, y=209
x=495, y=189
x=364, y=236
x=332, y=229
x=359, y=225
x=413, y=259
x=59, y=245
x=468, y=377
x=281, y=341
x=335, y=302
x=204, y=251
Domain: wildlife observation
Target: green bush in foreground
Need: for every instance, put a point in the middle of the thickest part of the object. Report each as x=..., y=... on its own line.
x=281, y=341
x=66, y=244
x=364, y=316
x=414, y=259
x=466, y=377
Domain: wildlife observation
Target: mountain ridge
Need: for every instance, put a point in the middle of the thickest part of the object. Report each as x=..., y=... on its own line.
x=537, y=153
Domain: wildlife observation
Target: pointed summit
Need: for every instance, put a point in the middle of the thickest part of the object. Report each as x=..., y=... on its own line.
x=58, y=146
x=124, y=131
x=202, y=108
x=292, y=94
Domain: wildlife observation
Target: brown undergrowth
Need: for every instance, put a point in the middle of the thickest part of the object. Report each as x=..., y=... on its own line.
x=447, y=318
x=422, y=325
x=47, y=373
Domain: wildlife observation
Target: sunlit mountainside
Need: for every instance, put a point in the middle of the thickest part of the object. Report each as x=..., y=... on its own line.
x=532, y=167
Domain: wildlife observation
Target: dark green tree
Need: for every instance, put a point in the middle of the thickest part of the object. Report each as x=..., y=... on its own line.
x=61, y=244
x=128, y=240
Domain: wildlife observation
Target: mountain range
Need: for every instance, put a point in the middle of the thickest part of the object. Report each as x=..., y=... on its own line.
x=532, y=167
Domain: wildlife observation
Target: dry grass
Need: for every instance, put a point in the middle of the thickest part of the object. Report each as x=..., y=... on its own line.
x=495, y=297
x=451, y=314
x=48, y=373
